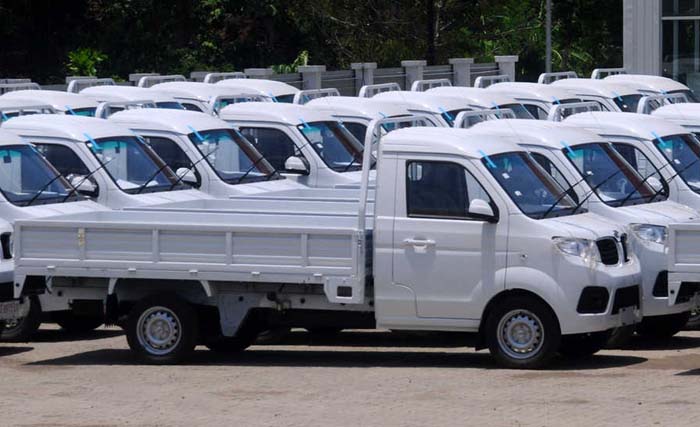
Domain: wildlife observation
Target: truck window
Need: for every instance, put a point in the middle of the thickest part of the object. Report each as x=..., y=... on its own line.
x=63, y=159
x=358, y=130
x=555, y=173
x=441, y=190
x=273, y=144
x=172, y=154
x=683, y=153
x=638, y=160
x=190, y=107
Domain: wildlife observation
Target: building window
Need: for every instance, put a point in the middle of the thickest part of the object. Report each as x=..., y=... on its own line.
x=681, y=41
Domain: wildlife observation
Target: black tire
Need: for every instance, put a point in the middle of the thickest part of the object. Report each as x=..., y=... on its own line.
x=71, y=323
x=273, y=336
x=694, y=321
x=23, y=330
x=620, y=337
x=529, y=319
x=583, y=346
x=172, y=335
x=663, y=327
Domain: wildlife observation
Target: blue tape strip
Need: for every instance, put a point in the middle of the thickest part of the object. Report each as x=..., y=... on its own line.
x=556, y=100
x=383, y=115
x=303, y=122
x=139, y=137
x=662, y=143
x=70, y=110
x=572, y=153
x=495, y=106
x=490, y=162
x=446, y=114
x=196, y=134
x=4, y=116
x=274, y=99
x=92, y=140
x=617, y=95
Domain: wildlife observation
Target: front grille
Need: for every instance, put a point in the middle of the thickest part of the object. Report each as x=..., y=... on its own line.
x=687, y=291
x=626, y=297
x=607, y=248
x=594, y=299
x=661, y=285
x=623, y=242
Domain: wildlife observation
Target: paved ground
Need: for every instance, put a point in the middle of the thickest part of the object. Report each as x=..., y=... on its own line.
x=93, y=381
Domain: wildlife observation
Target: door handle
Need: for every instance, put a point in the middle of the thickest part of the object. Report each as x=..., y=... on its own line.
x=420, y=246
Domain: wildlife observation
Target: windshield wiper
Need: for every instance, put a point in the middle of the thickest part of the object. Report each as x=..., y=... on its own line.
x=354, y=159
x=191, y=167
x=561, y=196
x=150, y=178
x=594, y=189
x=38, y=193
x=674, y=176
x=85, y=178
x=636, y=189
x=250, y=169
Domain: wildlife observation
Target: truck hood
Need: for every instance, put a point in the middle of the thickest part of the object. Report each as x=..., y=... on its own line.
x=661, y=213
x=586, y=226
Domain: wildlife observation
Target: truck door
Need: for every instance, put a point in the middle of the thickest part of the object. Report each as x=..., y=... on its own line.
x=447, y=256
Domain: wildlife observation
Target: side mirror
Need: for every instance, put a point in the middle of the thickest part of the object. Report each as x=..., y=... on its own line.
x=188, y=176
x=655, y=183
x=479, y=208
x=296, y=165
x=84, y=186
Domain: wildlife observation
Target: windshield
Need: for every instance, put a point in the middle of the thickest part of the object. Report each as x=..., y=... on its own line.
x=86, y=112
x=683, y=153
x=615, y=182
x=627, y=103
x=689, y=94
x=529, y=186
x=451, y=115
x=334, y=144
x=27, y=178
x=519, y=109
x=170, y=105
x=285, y=99
x=132, y=165
x=233, y=158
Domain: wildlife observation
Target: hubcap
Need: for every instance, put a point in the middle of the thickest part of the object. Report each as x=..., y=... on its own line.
x=520, y=334
x=159, y=330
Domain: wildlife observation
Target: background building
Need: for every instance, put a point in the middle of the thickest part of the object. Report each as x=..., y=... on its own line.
x=663, y=37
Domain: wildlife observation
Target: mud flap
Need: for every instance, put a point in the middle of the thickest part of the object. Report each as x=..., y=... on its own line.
x=233, y=309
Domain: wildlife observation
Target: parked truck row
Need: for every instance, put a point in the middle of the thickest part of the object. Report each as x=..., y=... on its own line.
x=436, y=209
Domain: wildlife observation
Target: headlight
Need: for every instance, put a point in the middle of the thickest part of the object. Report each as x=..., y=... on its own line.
x=583, y=248
x=650, y=233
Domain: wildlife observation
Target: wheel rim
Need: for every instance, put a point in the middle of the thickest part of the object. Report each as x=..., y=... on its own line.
x=159, y=330
x=520, y=334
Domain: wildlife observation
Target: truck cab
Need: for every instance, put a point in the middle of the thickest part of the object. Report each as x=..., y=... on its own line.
x=103, y=161
x=611, y=96
x=206, y=97
x=10, y=108
x=206, y=152
x=357, y=113
x=478, y=98
x=63, y=102
x=539, y=99
x=119, y=97
x=309, y=146
x=278, y=91
x=524, y=284
x=599, y=179
x=442, y=108
x=653, y=85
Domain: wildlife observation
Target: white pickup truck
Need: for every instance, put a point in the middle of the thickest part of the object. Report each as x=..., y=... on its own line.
x=646, y=84
x=539, y=99
x=600, y=179
x=206, y=97
x=10, y=108
x=206, y=152
x=612, y=96
x=277, y=91
x=442, y=255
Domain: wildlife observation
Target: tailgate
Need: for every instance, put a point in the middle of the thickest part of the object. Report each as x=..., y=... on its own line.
x=683, y=261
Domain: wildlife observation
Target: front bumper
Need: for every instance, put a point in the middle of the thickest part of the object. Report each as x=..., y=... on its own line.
x=654, y=260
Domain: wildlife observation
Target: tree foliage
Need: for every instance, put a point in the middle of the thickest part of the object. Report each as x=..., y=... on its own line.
x=178, y=36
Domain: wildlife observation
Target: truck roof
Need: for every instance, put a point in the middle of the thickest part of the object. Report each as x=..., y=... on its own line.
x=125, y=94
x=262, y=86
x=435, y=102
x=546, y=133
x=627, y=124
x=467, y=142
x=687, y=113
x=476, y=96
x=18, y=102
x=65, y=126
x=9, y=138
x=541, y=92
x=278, y=112
x=649, y=83
x=176, y=121
x=594, y=87
x=370, y=108
x=59, y=100
x=199, y=90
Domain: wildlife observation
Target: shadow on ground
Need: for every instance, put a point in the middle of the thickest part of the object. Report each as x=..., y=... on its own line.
x=679, y=342
x=59, y=335
x=9, y=351
x=385, y=349
x=689, y=373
